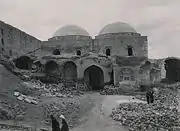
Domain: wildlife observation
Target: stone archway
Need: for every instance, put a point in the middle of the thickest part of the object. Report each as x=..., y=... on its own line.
x=70, y=70
x=24, y=62
x=51, y=66
x=94, y=77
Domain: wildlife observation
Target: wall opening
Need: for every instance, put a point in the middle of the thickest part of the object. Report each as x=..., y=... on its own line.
x=94, y=77
x=51, y=66
x=24, y=62
x=130, y=51
x=70, y=71
x=56, y=52
x=10, y=53
x=112, y=77
x=108, y=52
x=78, y=52
x=2, y=41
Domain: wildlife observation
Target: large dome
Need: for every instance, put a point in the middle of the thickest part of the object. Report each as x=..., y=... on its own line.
x=118, y=27
x=71, y=30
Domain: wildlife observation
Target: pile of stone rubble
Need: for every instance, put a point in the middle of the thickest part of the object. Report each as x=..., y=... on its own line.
x=27, y=99
x=67, y=108
x=12, y=111
x=60, y=90
x=161, y=115
x=118, y=90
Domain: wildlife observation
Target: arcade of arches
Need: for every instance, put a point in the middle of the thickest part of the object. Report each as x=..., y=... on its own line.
x=94, y=77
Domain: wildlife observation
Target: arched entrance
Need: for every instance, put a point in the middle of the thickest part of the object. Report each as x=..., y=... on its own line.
x=94, y=77
x=51, y=66
x=24, y=62
x=70, y=71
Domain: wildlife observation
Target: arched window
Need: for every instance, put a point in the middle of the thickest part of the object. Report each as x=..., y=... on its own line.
x=10, y=53
x=78, y=52
x=108, y=52
x=56, y=52
x=2, y=49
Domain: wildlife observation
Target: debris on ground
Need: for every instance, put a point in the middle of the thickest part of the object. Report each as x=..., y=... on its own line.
x=161, y=115
x=28, y=99
x=121, y=89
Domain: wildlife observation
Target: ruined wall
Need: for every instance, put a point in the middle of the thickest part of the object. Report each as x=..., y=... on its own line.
x=118, y=44
x=172, y=67
x=125, y=73
x=14, y=42
x=155, y=75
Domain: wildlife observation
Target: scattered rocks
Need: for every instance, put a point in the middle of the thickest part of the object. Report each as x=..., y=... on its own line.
x=161, y=115
x=27, y=99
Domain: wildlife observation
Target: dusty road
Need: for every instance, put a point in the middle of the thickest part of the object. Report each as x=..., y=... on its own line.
x=98, y=117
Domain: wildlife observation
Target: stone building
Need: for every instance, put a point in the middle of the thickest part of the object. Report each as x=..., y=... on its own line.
x=14, y=42
x=118, y=53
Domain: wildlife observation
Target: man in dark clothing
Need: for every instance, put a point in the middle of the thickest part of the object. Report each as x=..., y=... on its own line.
x=55, y=124
x=150, y=96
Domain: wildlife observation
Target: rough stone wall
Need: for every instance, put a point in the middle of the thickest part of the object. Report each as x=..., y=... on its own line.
x=68, y=44
x=143, y=76
x=172, y=67
x=118, y=45
x=121, y=72
x=16, y=41
x=155, y=75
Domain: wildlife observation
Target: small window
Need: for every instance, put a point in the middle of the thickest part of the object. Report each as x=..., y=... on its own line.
x=2, y=31
x=78, y=52
x=130, y=51
x=126, y=78
x=2, y=49
x=10, y=53
x=56, y=52
x=108, y=52
x=2, y=41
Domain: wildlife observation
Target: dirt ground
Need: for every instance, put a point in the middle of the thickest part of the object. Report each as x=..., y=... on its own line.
x=92, y=114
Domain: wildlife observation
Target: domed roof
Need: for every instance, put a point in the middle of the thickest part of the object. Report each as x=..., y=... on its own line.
x=71, y=30
x=118, y=27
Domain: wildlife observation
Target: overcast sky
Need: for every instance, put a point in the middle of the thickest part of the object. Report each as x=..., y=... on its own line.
x=158, y=19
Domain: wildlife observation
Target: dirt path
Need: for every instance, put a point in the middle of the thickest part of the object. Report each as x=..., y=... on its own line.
x=98, y=117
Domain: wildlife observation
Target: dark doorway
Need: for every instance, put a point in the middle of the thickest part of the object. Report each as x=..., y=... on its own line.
x=78, y=52
x=130, y=51
x=94, y=77
x=112, y=77
x=51, y=66
x=10, y=53
x=56, y=52
x=108, y=52
x=24, y=62
x=70, y=71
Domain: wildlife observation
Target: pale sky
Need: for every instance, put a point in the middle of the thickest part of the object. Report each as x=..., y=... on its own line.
x=158, y=19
